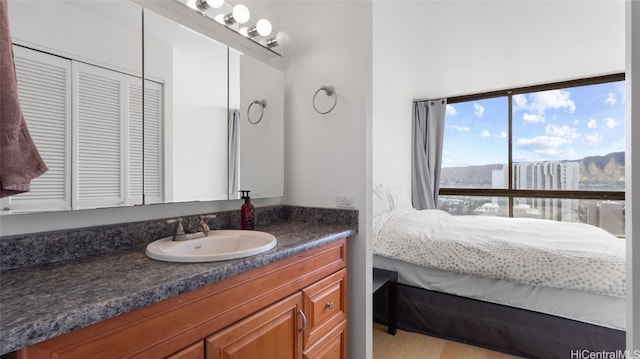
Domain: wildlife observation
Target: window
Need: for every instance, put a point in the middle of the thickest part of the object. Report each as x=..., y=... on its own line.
x=553, y=151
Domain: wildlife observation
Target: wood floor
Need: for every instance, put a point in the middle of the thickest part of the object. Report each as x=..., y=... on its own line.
x=405, y=345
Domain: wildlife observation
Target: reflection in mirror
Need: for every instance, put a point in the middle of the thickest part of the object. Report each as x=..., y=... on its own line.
x=78, y=65
x=187, y=72
x=256, y=153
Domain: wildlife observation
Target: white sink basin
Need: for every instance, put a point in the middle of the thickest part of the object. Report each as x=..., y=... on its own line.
x=219, y=245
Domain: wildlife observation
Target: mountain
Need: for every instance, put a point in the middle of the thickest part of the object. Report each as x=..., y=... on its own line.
x=476, y=176
x=595, y=171
x=607, y=168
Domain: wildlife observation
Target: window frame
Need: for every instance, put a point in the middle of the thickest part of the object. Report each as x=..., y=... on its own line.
x=510, y=193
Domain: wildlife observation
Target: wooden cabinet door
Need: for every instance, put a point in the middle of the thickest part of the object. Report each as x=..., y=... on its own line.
x=272, y=333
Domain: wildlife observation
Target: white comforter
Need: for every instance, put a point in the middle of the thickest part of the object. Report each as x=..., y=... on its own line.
x=529, y=251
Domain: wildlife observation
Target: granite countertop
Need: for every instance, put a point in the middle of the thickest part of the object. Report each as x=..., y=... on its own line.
x=44, y=301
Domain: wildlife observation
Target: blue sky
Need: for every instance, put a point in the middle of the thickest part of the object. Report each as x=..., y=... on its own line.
x=562, y=124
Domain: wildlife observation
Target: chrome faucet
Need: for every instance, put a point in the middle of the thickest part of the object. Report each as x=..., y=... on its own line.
x=200, y=230
x=180, y=235
x=202, y=226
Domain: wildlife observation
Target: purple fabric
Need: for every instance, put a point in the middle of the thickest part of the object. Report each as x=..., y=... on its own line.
x=20, y=161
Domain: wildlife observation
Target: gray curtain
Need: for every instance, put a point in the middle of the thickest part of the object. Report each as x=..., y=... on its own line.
x=234, y=154
x=426, y=156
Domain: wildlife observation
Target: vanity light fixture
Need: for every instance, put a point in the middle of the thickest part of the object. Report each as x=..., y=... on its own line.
x=281, y=39
x=204, y=5
x=260, y=32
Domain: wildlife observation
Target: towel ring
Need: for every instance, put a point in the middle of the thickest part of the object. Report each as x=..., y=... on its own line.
x=263, y=104
x=330, y=91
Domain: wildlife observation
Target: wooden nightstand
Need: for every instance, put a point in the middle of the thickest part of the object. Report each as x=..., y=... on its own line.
x=389, y=279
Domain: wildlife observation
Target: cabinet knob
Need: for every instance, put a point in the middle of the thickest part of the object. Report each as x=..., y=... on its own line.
x=330, y=305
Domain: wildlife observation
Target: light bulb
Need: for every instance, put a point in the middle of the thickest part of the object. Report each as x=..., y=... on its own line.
x=241, y=13
x=204, y=5
x=263, y=26
x=282, y=38
x=216, y=4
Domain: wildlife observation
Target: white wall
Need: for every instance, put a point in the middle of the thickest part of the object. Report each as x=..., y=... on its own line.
x=199, y=121
x=435, y=49
x=97, y=33
x=632, y=167
x=326, y=155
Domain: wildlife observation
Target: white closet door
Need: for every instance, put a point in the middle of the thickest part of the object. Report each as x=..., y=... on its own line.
x=99, y=141
x=153, y=134
x=44, y=90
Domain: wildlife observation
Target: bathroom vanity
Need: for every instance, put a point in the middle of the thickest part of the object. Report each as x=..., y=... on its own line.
x=289, y=302
x=292, y=308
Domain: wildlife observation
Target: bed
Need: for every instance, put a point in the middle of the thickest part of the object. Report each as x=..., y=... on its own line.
x=529, y=287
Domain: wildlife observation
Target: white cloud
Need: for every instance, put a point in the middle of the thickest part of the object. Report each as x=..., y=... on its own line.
x=552, y=142
x=592, y=139
x=564, y=131
x=610, y=123
x=532, y=118
x=485, y=133
x=611, y=99
x=478, y=110
x=451, y=110
x=520, y=102
x=502, y=135
x=542, y=142
x=552, y=99
x=459, y=128
x=538, y=103
x=592, y=123
x=575, y=122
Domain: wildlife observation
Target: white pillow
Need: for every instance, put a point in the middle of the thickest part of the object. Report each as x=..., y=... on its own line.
x=399, y=198
x=381, y=203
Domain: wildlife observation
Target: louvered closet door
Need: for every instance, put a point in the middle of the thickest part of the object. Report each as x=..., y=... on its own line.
x=99, y=143
x=153, y=144
x=44, y=90
x=134, y=146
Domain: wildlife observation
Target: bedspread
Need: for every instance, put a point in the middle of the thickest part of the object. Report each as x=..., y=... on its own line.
x=530, y=251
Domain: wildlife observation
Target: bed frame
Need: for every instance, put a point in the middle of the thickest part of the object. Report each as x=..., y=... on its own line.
x=498, y=327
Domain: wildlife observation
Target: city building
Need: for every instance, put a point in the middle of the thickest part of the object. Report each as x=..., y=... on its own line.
x=547, y=175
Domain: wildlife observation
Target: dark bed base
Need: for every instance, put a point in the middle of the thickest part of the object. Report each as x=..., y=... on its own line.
x=497, y=327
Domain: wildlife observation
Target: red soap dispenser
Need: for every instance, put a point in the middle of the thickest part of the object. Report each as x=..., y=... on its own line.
x=247, y=212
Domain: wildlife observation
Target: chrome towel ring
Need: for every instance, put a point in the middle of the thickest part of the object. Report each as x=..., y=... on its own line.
x=329, y=91
x=263, y=104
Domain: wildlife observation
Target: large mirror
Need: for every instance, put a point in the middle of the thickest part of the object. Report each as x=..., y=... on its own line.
x=99, y=150
x=79, y=66
x=256, y=145
x=187, y=72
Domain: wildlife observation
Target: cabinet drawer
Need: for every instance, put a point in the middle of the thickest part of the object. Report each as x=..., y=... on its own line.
x=195, y=351
x=325, y=305
x=331, y=346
